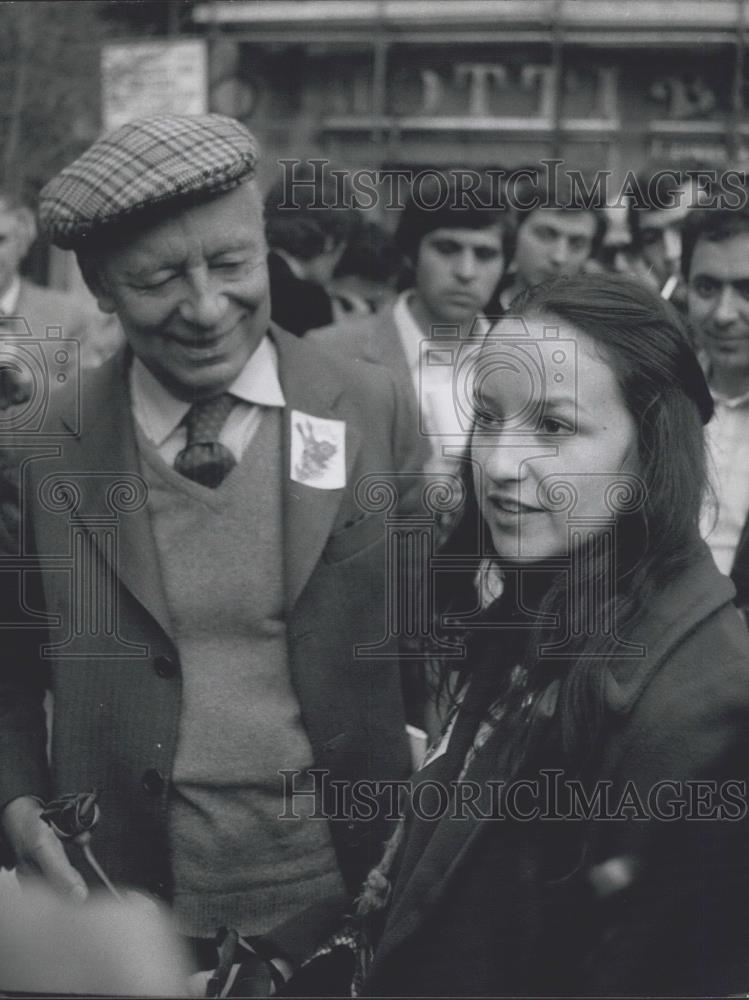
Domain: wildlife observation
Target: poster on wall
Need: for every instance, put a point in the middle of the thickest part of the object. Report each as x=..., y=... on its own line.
x=153, y=77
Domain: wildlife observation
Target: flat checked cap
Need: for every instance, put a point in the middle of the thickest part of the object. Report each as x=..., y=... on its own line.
x=152, y=162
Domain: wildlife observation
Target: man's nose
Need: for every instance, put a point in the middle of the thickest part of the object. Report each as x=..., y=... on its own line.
x=560, y=251
x=726, y=309
x=205, y=303
x=672, y=246
x=465, y=265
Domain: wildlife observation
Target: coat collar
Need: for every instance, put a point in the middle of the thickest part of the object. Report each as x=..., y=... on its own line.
x=309, y=386
x=676, y=610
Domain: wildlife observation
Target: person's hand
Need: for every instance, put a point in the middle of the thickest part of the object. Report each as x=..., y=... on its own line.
x=39, y=854
x=104, y=948
x=15, y=386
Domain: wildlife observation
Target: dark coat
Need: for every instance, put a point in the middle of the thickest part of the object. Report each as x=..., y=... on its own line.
x=740, y=570
x=505, y=907
x=78, y=514
x=296, y=305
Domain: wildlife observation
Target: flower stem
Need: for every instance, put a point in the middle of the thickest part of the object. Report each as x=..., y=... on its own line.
x=89, y=856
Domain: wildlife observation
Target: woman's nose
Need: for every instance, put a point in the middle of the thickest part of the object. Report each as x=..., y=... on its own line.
x=504, y=459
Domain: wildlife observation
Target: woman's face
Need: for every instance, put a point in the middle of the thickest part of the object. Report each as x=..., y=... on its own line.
x=552, y=439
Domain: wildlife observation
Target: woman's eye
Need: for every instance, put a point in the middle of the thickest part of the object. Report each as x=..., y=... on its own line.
x=551, y=426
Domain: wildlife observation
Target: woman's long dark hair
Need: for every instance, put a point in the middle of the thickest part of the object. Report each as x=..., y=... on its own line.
x=645, y=342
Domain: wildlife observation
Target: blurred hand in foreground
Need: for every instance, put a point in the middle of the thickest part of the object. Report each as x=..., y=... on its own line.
x=103, y=947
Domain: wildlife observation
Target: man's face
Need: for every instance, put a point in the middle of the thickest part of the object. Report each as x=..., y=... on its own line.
x=718, y=299
x=660, y=239
x=551, y=242
x=192, y=293
x=12, y=246
x=456, y=272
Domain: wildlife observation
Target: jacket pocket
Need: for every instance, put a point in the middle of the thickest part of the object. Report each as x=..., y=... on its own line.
x=347, y=542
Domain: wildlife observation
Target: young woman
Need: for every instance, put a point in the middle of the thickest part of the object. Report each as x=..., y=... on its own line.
x=581, y=827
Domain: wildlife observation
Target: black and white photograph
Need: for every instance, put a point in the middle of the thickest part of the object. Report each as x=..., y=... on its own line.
x=374, y=498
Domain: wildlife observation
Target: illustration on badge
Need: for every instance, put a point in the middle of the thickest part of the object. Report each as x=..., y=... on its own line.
x=317, y=451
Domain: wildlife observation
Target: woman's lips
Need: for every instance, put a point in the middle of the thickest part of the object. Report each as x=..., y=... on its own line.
x=511, y=507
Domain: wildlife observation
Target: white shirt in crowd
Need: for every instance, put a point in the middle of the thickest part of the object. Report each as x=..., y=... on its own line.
x=727, y=438
x=434, y=387
x=9, y=299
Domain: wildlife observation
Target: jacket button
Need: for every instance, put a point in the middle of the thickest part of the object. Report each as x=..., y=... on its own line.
x=153, y=781
x=165, y=666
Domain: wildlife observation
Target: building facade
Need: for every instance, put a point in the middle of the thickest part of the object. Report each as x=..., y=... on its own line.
x=503, y=83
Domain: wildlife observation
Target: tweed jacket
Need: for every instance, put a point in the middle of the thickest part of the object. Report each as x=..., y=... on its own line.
x=84, y=612
x=374, y=338
x=642, y=905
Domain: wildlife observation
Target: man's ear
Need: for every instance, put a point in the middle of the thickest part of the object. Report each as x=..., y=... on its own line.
x=334, y=249
x=26, y=228
x=96, y=283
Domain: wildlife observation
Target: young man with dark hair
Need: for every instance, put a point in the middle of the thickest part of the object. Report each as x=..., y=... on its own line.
x=716, y=266
x=656, y=213
x=453, y=244
x=556, y=232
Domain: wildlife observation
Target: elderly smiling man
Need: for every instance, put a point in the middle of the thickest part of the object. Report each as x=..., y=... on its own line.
x=243, y=574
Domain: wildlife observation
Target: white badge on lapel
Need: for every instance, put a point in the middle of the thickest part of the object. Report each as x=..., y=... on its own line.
x=318, y=451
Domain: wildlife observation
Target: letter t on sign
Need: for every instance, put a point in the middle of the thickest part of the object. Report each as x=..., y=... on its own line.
x=479, y=75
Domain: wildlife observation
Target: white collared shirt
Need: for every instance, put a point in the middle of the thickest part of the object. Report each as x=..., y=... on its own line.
x=160, y=414
x=434, y=388
x=9, y=300
x=727, y=438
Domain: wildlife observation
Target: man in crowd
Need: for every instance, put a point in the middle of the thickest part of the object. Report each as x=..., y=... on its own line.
x=656, y=215
x=23, y=302
x=307, y=233
x=453, y=245
x=220, y=650
x=556, y=233
x=716, y=266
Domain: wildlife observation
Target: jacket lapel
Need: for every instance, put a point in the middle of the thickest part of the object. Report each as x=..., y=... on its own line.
x=102, y=457
x=443, y=850
x=385, y=347
x=309, y=512
x=678, y=609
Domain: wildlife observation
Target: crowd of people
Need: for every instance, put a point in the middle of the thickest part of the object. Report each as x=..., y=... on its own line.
x=339, y=493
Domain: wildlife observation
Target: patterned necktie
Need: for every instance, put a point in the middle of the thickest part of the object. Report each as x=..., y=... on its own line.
x=204, y=459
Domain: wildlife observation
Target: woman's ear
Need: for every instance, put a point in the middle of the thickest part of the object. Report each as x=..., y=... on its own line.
x=96, y=283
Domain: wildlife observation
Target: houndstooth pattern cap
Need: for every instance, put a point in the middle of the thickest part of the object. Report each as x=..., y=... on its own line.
x=146, y=163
